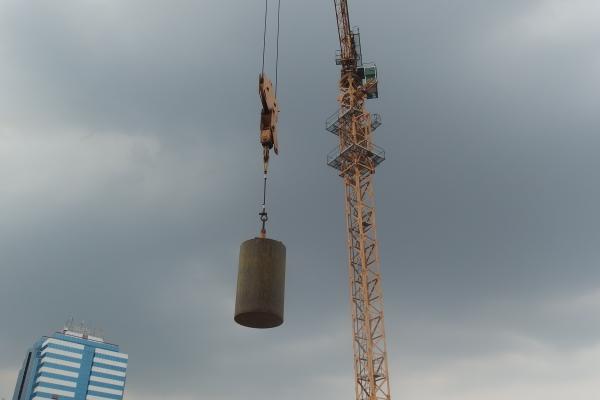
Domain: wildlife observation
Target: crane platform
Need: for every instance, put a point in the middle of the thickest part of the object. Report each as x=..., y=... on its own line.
x=335, y=120
x=368, y=157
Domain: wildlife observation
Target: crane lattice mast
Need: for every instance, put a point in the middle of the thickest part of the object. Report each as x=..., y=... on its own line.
x=356, y=158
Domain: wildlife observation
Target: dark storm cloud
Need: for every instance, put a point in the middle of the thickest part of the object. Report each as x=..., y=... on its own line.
x=131, y=173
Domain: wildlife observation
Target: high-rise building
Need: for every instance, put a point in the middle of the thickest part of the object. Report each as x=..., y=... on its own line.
x=72, y=364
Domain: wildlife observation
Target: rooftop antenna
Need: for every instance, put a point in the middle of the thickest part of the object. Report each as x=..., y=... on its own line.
x=69, y=324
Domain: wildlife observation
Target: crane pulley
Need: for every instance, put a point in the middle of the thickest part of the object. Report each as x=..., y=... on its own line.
x=268, y=118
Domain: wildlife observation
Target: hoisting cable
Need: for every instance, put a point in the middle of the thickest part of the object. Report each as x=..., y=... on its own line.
x=265, y=36
x=263, y=213
x=277, y=46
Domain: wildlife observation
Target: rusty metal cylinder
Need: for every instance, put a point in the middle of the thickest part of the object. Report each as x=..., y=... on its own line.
x=261, y=284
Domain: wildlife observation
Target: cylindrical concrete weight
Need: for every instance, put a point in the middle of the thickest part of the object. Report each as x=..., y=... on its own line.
x=261, y=284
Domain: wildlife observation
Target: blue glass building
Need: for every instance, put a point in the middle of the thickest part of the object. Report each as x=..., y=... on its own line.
x=72, y=365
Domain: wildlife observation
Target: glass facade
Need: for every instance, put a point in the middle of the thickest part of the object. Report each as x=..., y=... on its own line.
x=72, y=365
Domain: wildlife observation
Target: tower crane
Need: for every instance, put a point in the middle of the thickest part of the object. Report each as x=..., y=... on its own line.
x=261, y=277
x=356, y=158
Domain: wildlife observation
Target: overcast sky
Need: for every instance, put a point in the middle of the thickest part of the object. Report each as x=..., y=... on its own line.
x=130, y=173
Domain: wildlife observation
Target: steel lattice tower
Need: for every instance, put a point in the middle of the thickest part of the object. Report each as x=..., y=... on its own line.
x=356, y=159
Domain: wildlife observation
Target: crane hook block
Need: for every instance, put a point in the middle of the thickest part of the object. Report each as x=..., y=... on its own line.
x=268, y=118
x=261, y=284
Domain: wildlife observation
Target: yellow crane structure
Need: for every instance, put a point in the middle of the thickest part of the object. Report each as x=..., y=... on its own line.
x=356, y=159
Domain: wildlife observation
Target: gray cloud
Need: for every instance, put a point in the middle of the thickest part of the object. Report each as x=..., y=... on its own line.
x=130, y=173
